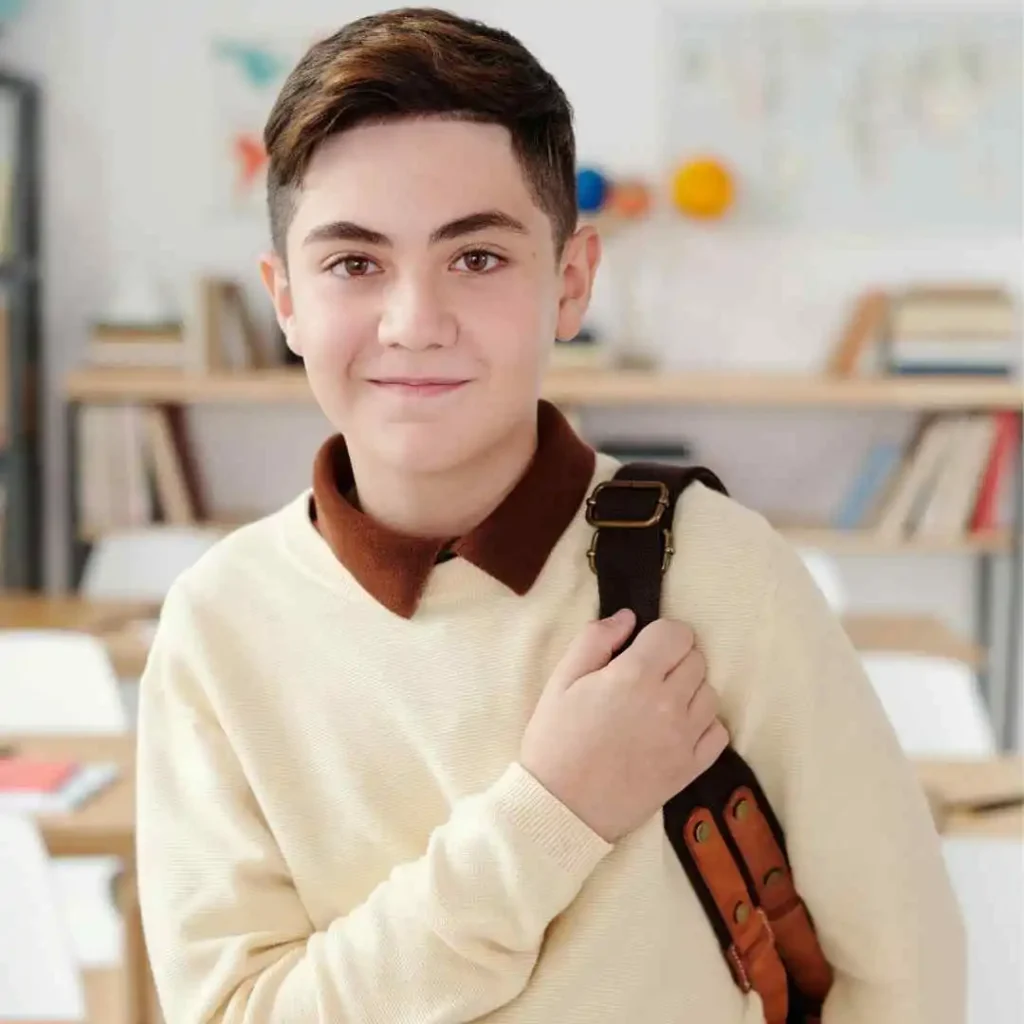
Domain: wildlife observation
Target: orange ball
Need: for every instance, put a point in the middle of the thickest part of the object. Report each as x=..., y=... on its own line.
x=630, y=199
x=703, y=188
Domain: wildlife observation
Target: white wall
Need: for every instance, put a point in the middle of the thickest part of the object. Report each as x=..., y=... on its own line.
x=129, y=176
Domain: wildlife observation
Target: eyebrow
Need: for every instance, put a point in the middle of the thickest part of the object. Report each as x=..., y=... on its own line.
x=349, y=231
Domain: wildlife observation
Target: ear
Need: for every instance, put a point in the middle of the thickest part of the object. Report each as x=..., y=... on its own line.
x=275, y=279
x=580, y=260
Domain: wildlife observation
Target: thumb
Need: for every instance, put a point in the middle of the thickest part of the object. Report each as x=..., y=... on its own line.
x=594, y=647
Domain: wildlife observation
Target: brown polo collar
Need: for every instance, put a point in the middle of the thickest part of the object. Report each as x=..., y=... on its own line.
x=511, y=544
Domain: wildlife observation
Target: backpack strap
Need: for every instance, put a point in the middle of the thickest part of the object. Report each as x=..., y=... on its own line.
x=721, y=826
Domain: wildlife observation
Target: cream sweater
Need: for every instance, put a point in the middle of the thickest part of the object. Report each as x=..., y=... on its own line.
x=332, y=826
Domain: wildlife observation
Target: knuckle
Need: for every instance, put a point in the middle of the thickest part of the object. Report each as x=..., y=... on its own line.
x=720, y=737
x=621, y=675
x=696, y=664
x=684, y=635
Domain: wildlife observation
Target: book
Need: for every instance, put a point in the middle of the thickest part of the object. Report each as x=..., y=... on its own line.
x=911, y=489
x=947, y=514
x=22, y=774
x=997, y=479
x=861, y=333
x=995, y=354
x=865, y=492
x=33, y=786
x=140, y=345
x=927, y=311
x=647, y=451
x=910, y=368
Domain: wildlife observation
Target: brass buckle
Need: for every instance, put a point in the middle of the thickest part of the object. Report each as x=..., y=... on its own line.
x=666, y=554
x=628, y=524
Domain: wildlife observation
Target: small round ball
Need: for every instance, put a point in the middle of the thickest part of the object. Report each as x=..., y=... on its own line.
x=630, y=199
x=703, y=188
x=591, y=189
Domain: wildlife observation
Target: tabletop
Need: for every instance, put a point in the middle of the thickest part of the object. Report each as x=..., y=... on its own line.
x=105, y=824
x=125, y=627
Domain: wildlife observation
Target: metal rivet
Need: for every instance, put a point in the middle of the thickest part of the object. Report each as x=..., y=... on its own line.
x=773, y=876
x=741, y=913
x=702, y=833
x=741, y=809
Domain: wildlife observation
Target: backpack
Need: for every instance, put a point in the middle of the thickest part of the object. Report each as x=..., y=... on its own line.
x=722, y=828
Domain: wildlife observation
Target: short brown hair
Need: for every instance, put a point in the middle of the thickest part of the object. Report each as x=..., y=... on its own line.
x=421, y=62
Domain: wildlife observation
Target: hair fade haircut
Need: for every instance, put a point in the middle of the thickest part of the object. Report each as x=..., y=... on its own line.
x=422, y=62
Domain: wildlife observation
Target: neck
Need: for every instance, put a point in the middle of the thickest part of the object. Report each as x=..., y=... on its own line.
x=443, y=505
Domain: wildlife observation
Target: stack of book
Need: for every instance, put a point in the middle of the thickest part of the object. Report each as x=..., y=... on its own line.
x=135, y=468
x=953, y=329
x=149, y=345
x=955, y=477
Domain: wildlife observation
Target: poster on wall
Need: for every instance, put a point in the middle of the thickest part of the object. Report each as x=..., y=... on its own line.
x=248, y=75
x=863, y=121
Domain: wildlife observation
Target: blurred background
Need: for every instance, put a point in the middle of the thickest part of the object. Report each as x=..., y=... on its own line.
x=812, y=218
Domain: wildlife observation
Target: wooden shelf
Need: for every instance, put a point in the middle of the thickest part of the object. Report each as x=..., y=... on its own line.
x=911, y=634
x=185, y=388
x=766, y=390
x=864, y=542
x=579, y=388
x=839, y=542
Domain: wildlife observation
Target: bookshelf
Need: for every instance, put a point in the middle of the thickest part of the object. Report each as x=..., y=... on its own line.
x=575, y=390
x=20, y=326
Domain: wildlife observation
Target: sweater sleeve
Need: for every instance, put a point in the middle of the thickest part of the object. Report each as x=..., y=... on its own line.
x=866, y=856
x=446, y=938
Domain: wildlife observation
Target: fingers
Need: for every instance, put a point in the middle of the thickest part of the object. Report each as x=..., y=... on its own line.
x=702, y=708
x=688, y=676
x=710, y=745
x=594, y=647
x=659, y=647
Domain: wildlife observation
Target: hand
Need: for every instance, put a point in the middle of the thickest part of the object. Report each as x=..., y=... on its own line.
x=614, y=738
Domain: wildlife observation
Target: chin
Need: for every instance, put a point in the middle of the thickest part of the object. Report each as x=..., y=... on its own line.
x=426, y=447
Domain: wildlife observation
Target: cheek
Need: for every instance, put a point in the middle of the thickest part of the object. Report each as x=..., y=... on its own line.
x=332, y=326
x=514, y=322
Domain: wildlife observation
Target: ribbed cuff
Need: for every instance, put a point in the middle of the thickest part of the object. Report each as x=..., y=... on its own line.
x=547, y=822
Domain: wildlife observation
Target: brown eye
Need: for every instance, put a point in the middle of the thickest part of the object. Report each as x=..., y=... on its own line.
x=352, y=266
x=479, y=261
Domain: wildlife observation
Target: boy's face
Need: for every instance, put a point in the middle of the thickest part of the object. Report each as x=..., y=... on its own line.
x=423, y=290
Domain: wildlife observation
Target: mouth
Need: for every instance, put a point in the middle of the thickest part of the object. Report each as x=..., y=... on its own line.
x=417, y=387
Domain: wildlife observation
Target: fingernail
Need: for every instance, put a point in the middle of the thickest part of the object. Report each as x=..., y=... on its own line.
x=619, y=618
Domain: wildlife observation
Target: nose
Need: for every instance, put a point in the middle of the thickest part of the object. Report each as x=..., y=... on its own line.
x=416, y=317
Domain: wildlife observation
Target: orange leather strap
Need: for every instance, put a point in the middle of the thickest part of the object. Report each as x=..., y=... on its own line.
x=754, y=960
x=794, y=933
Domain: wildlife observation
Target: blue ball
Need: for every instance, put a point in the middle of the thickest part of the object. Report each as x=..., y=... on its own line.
x=591, y=190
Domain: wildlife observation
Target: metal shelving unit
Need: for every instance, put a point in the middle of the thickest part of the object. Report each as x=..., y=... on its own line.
x=20, y=295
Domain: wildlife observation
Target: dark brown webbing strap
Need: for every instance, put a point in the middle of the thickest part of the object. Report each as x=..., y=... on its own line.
x=631, y=549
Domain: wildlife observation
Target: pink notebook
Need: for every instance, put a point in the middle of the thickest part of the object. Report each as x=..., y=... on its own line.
x=29, y=775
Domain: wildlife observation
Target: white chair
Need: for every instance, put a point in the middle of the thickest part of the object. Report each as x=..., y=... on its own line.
x=54, y=683
x=934, y=704
x=57, y=681
x=39, y=979
x=988, y=877
x=936, y=708
x=141, y=564
x=825, y=573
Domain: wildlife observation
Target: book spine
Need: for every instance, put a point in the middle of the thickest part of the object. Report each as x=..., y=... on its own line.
x=985, y=513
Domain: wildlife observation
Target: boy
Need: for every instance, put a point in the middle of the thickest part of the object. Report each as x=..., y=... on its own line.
x=389, y=768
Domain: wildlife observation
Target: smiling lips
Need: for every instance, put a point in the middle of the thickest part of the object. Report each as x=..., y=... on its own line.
x=419, y=387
